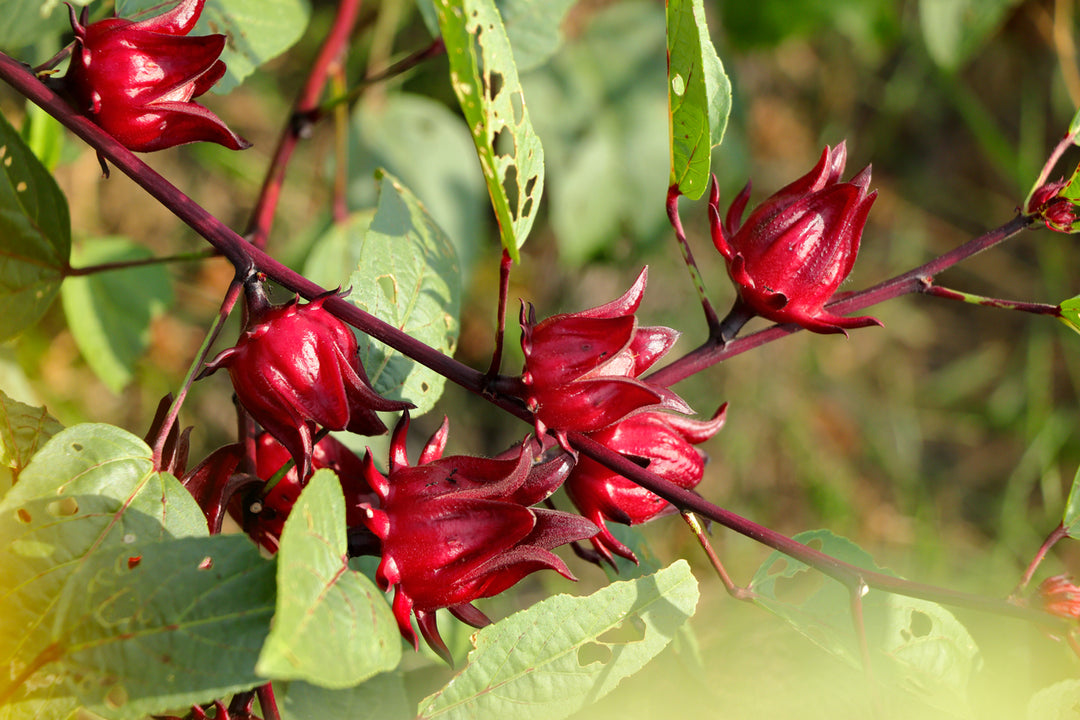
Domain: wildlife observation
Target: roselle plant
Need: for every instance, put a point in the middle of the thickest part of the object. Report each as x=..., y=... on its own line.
x=257, y=548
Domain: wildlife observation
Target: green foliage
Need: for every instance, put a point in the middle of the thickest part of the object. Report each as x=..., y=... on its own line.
x=109, y=313
x=699, y=96
x=1071, y=519
x=23, y=429
x=921, y=646
x=257, y=30
x=407, y=274
x=35, y=234
x=955, y=29
x=485, y=80
x=566, y=652
x=26, y=22
x=1070, y=313
x=332, y=627
x=1057, y=702
x=383, y=697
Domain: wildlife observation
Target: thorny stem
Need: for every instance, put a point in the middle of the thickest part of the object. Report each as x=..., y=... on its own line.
x=1028, y=307
x=688, y=258
x=124, y=264
x=231, y=296
x=299, y=123
x=1058, y=533
x=912, y=281
x=739, y=593
x=245, y=255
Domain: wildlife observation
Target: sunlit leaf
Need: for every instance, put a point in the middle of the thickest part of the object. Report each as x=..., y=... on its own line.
x=1056, y=702
x=407, y=275
x=566, y=652
x=255, y=30
x=91, y=489
x=35, y=234
x=109, y=313
x=383, y=697
x=1070, y=313
x=699, y=96
x=23, y=429
x=485, y=79
x=332, y=626
x=25, y=22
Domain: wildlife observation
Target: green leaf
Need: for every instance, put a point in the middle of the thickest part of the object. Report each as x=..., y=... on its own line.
x=332, y=626
x=44, y=135
x=1071, y=519
x=407, y=275
x=149, y=627
x=427, y=146
x=23, y=429
x=256, y=30
x=567, y=652
x=35, y=234
x=1057, y=702
x=90, y=489
x=485, y=79
x=954, y=30
x=1070, y=313
x=25, y=22
x=699, y=96
x=920, y=644
x=383, y=697
x=109, y=313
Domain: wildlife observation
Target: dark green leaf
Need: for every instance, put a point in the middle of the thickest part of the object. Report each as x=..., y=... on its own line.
x=382, y=697
x=567, y=652
x=954, y=30
x=1071, y=520
x=23, y=429
x=699, y=96
x=90, y=489
x=920, y=644
x=148, y=627
x=109, y=313
x=35, y=234
x=1070, y=313
x=408, y=276
x=485, y=79
x=256, y=30
x=332, y=626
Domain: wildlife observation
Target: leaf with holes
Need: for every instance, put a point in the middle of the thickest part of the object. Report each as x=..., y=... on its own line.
x=332, y=626
x=927, y=650
x=90, y=489
x=255, y=30
x=109, y=313
x=383, y=697
x=35, y=234
x=407, y=275
x=485, y=80
x=566, y=652
x=699, y=96
x=23, y=429
x=134, y=624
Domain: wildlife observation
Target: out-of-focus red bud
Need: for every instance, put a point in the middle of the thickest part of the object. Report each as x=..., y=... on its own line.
x=1060, y=596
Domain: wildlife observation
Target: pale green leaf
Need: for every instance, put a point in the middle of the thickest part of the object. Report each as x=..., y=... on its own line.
x=1071, y=519
x=35, y=234
x=255, y=30
x=1060, y=701
x=383, y=697
x=109, y=313
x=26, y=22
x=332, y=626
x=955, y=29
x=23, y=429
x=567, y=652
x=148, y=627
x=922, y=646
x=485, y=79
x=1070, y=313
x=699, y=96
x=407, y=275
x=90, y=489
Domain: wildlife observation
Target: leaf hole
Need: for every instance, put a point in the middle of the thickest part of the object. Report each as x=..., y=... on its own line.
x=388, y=287
x=510, y=187
x=206, y=563
x=517, y=102
x=133, y=561
x=23, y=516
x=495, y=85
x=530, y=185
x=798, y=588
x=117, y=697
x=590, y=653
x=630, y=630
x=77, y=447
x=424, y=387
x=526, y=209
x=921, y=624
x=64, y=507
x=503, y=145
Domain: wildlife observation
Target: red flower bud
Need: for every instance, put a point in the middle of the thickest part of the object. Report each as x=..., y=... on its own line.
x=458, y=528
x=136, y=79
x=581, y=369
x=1060, y=596
x=795, y=249
x=660, y=442
x=296, y=367
x=1057, y=212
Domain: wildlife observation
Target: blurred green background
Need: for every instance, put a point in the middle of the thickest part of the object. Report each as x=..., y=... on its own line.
x=944, y=443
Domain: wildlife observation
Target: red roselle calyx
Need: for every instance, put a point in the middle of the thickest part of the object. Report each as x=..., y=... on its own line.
x=1060, y=596
x=581, y=369
x=662, y=443
x=295, y=368
x=136, y=80
x=1057, y=212
x=792, y=253
x=455, y=529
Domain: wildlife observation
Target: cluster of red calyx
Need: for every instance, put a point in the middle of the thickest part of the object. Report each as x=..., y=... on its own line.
x=1058, y=212
x=792, y=253
x=136, y=80
x=456, y=529
x=1060, y=596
